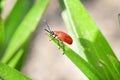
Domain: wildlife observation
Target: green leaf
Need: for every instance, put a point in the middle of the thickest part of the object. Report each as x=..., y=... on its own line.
x=77, y=46
x=109, y=71
x=86, y=68
x=91, y=39
x=13, y=62
x=88, y=39
x=21, y=60
x=25, y=29
x=15, y=17
x=115, y=63
x=64, y=14
x=105, y=70
x=19, y=57
x=1, y=34
x=7, y=73
x=86, y=30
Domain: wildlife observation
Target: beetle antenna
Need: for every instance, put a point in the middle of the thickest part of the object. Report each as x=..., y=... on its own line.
x=47, y=30
x=47, y=26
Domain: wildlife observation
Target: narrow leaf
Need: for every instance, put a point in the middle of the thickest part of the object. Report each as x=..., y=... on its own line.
x=1, y=34
x=7, y=73
x=15, y=17
x=91, y=39
x=13, y=62
x=85, y=28
x=115, y=63
x=18, y=58
x=114, y=75
x=105, y=70
x=86, y=68
x=25, y=29
x=76, y=44
x=23, y=57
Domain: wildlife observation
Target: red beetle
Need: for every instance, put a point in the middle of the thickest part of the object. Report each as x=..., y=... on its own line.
x=62, y=36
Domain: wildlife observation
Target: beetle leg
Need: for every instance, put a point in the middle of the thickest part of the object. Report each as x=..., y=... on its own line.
x=58, y=41
x=63, y=47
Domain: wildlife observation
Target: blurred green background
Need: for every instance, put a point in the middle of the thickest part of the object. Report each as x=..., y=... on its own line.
x=45, y=61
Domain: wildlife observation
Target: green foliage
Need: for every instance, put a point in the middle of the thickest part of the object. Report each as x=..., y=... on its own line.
x=16, y=16
x=15, y=34
x=87, y=69
x=91, y=53
x=27, y=26
x=8, y=73
x=1, y=33
x=92, y=47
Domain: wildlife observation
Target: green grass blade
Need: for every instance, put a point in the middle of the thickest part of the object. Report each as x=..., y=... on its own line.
x=1, y=34
x=86, y=68
x=13, y=62
x=25, y=29
x=115, y=63
x=77, y=46
x=15, y=17
x=85, y=29
x=86, y=34
x=105, y=70
x=77, y=43
x=114, y=75
x=21, y=61
x=108, y=76
x=7, y=73
x=23, y=57
x=19, y=57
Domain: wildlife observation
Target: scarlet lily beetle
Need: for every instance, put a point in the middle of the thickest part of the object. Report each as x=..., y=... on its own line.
x=62, y=36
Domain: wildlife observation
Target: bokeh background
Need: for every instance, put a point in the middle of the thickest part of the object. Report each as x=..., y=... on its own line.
x=45, y=61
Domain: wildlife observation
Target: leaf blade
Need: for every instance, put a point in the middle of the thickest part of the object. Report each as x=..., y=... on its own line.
x=7, y=73
x=25, y=29
x=12, y=21
x=1, y=34
x=86, y=68
x=91, y=39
